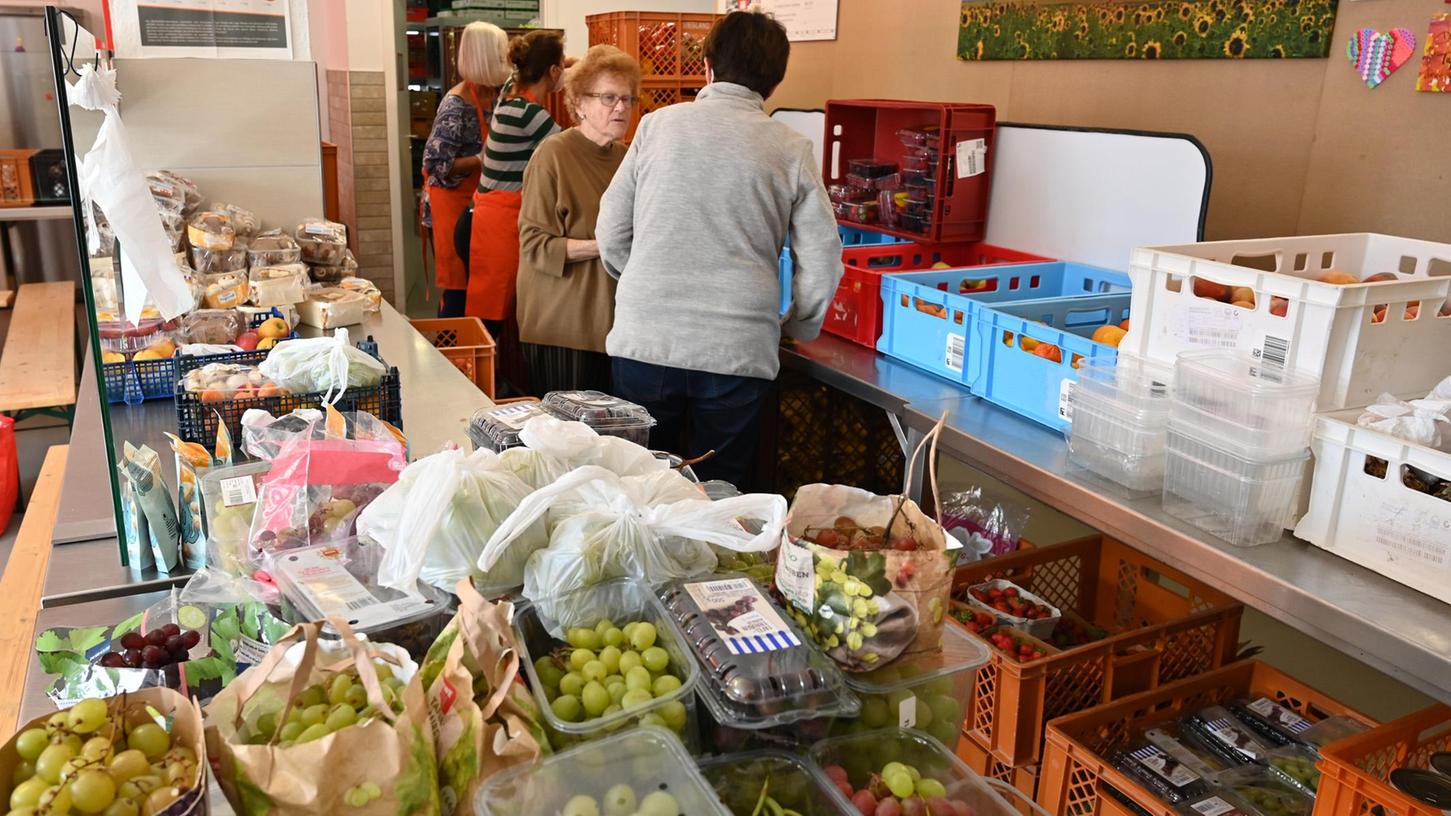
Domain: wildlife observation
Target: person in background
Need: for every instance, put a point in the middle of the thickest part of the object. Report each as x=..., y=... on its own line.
x=518, y=126
x=453, y=153
x=566, y=299
x=694, y=233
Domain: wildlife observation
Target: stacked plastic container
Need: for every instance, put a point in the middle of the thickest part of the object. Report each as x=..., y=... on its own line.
x=1120, y=415
x=1237, y=445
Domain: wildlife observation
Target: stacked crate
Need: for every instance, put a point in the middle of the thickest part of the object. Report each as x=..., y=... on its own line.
x=670, y=48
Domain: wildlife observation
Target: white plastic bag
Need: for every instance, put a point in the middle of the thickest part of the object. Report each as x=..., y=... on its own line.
x=620, y=536
x=578, y=445
x=1422, y=421
x=645, y=490
x=330, y=364
x=434, y=521
x=534, y=468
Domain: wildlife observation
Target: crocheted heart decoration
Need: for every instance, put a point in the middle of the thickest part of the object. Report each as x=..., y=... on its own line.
x=1377, y=56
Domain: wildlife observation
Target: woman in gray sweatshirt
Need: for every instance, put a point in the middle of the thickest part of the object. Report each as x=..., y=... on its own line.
x=693, y=225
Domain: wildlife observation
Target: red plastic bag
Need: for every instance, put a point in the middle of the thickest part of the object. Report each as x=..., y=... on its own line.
x=9, y=472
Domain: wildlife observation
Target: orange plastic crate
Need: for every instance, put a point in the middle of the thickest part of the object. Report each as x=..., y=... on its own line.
x=1078, y=779
x=1024, y=778
x=464, y=342
x=1164, y=626
x=667, y=45
x=1354, y=772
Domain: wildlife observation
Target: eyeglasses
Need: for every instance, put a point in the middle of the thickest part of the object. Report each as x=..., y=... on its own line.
x=610, y=100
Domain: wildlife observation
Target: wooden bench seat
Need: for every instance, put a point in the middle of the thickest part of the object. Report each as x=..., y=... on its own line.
x=38, y=363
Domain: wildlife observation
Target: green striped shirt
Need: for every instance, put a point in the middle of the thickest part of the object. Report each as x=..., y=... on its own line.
x=517, y=128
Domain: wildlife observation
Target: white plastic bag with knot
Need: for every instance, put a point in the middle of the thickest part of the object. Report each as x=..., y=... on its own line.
x=328, y=364
x=578, y=445
x=432, y=523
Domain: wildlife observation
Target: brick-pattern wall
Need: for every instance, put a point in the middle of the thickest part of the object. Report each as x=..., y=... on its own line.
x=359, y=127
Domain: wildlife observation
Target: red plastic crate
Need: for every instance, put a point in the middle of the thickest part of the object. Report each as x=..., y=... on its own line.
x=856, y=311
x=867, y=129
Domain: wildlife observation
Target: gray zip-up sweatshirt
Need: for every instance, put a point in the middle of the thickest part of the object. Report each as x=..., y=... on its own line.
x=693, y=225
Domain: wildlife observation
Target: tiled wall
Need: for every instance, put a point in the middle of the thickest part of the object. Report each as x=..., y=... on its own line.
x=357, y=119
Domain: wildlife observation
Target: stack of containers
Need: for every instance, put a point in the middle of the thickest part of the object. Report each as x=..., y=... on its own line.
x=1120, y=417
x=1237, y=445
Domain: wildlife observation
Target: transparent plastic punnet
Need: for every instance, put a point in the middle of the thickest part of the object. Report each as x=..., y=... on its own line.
x=540, y=627
x=646, y=760
x=1253, y=407
x=792, y=783
x=1247, y=502
x=1118, y=449
x=497, y=427
x=607, y=415
x=759, y=670
x=863, y=755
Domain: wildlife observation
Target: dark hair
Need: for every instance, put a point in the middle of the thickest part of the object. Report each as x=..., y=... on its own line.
x=534, y=54
x=748, y=48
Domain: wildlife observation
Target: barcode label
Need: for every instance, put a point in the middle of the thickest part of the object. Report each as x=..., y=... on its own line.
x=1213, y=806
x=956, y=350
x=971, y=158
x=1274, y=351
x=237, y=491
x=1065, y=400
x=360, y=603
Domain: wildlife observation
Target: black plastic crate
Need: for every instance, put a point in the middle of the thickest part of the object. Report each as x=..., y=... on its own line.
x=196, y=421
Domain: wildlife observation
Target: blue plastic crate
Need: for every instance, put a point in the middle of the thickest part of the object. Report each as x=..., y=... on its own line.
x=1003, y=369
x=850, y=237
x=926, y=316
x=134, y=382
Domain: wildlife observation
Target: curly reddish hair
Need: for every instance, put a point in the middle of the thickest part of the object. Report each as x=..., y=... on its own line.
x=598, y=61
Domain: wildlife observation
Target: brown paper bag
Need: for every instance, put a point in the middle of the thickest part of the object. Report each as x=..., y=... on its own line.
x=386, y=766
x=875, y=587
x=483, y=718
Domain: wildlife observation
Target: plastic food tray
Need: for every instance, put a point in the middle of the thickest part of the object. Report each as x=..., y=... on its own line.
x=497, y=427
x=1251, y=405
x=862, y=755
x=1120, y=449
x=793, y=782
x=1247, y=502
x=606, y=414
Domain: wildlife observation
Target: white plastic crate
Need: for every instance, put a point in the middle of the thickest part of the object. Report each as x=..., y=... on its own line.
x=1379, y=522
x=1246, y=502
x=1327, y=330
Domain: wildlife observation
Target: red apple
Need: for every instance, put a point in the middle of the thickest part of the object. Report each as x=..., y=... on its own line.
x=247, y=340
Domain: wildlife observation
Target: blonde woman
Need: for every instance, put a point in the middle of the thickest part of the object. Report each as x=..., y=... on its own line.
x=452, y=157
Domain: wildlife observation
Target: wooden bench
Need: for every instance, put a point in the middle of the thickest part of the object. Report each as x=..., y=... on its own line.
x=38, y=363
x=22, y=583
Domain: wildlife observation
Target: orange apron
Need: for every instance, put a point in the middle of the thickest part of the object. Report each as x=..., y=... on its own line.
x=494, y=255
x=447, y=204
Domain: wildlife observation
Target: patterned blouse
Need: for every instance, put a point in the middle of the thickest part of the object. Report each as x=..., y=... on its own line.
x=456, y=134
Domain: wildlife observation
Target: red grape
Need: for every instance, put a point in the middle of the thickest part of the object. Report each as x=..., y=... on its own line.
x=132, y=658
x=174, y=644
x=156, y=637
x=889, y=807
x=191, y=638
x=171, y=630
x=112, y=660
x=836, y=773
x=914, y=806
x=133, y=640
x=153, y=657
x=961, y=808
x=864, y=802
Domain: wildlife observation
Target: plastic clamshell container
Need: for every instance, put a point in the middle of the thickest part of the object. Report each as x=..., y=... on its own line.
x=647, y=759
x=759, y=672
x=497, y=427
x=229, y=496
x=1011, y=359
x=1266, y=792
x=1365, y=505
x=344, y=267
x=928, y=317
x=620, y=600
x=929, y=692
x=1253, y=407
x=212, y=261
x=1133, y=387
x=1041, y=628
x=322, y=242
x=1246, y=502
x=1327, y=331
x=606, y=414
x=273, y=247
x=1118, y=448
x=794, y=782
x=864, y=754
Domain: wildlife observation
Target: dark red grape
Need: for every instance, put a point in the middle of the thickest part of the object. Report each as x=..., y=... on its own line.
x=174, y=644
x=156, y=637
x=153, y=657
x=191, y=638
x=132, y=658
x=132, y=640
x=111, y=660
x=171, y=630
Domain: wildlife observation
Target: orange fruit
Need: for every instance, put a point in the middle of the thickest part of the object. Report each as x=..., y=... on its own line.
x=1109, y=335
x=1048, y=351
x=1209, y=289
x=213, y=395
x=1124, y=325
x=1027, y=343
x=1338, y=278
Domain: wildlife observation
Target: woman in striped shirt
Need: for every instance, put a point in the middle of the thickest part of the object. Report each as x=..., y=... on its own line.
x=518, y=126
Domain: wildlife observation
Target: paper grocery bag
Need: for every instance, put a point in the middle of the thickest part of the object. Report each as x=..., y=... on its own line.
x=391, y=756
x=484, y=719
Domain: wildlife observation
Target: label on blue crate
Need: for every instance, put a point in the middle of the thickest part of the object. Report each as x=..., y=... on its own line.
x=956, y=351
x=971, y=158
x=1065, y=400
x=1279, y=715
x=741, y=616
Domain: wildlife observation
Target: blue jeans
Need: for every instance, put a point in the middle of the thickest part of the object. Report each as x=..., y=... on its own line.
x=719, y=412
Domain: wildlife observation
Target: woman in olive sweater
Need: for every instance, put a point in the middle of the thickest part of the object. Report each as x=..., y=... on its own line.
x=565, y=298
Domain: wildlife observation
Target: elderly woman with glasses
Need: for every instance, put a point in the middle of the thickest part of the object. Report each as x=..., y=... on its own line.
x=566, y=299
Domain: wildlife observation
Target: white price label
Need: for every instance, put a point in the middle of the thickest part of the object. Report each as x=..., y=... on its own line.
x=514, y=416
x=1065, y=400
x=956, y=351
x=249, y=650
x=907, y=712
x=1279, y=715
x=741, y=616
x=332, y=591
x=238, y=490
x=1213, y=806
x=796, y=576
x=971, y=158
x=1164, y=766
x=1200, y=324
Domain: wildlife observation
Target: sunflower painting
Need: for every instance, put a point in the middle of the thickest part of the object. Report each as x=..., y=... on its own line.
x=1146, y=29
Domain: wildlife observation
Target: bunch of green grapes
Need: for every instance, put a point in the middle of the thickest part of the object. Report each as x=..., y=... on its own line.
x=846, y=607
x=96, y=757
x=324, y=708
x=755, y=566
x=609, y=669
x=620, y=800
x=930, y=706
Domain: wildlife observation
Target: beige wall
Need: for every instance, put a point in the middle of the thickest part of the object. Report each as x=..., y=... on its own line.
x=1298, y=146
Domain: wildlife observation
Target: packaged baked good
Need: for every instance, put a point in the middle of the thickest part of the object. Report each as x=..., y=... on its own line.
x=273, y=247
x=244, y=222
x=330, y=307
x=346, y=267
x=278, y=285
x=225, y=290
x=211, y=230
x=215, y=382
x=212, y=261
x=169, y=185
x=213, y=326
x=364, y=287
x=322, y=242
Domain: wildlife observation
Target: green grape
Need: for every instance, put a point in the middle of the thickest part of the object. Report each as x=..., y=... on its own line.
x=129, y=790
x=619, y=801
x=549, y=673
x=180, y=774
x=74, y=767
x=267, y=725
x=391, y=682
x=603, y=626
x=340, y=716
x=30, y=743
x=86, y=716
x=355, y=798
x=613, y=637
x=181, y=753
x=294, y=714
x=567, y=707
x=629, y=660
x=24, y=769
x=900, y=784
x=617, y=691
x=874, y=711
x=585, y=639
x=71, y=741
x=92, y=791
x=123, y=807
x=638, y=679
x=290, y=732
x=636, y=699
x=314, y=714
x=337, y=691
x=579, y=657
x=610, y=657
x=643, y=636
x=159, y=800
x=582, y=805
x=357, y=696
x=144, y=785
x=150, y=739
x=658, y=803
x=571, y=683
x=128, y=765
x=57, y=722
x=614, y=708
x=56, y=800
x=653, y=719
x=312, y=732
x=928, y=788
x=50, y=762
x=27, y=793
x=595, y=699
x=593, y=671
x=311, y=696
x=664, y=684
x=674, y=714
x=655, y=659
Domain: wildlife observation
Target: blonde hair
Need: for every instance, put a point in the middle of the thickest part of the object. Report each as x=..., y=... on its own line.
x=483, y=51
x=598, y=61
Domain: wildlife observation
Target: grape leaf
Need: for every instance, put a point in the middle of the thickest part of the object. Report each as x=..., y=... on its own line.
x=51, y=641
x=131, y=624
